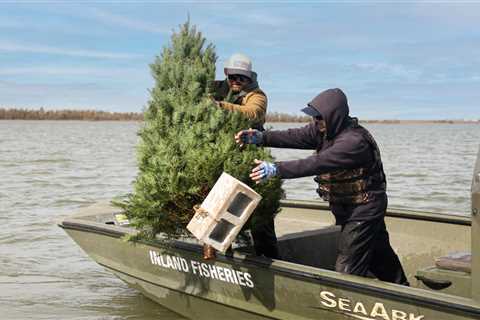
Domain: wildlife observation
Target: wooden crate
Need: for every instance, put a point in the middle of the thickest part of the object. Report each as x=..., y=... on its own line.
x=223, y=212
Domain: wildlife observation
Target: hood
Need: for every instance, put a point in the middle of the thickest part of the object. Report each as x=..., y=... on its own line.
x=332, y=105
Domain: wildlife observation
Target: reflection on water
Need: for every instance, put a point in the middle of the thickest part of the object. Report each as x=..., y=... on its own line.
x=49, y=169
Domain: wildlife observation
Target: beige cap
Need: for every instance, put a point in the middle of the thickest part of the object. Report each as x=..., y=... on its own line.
x=238, y=64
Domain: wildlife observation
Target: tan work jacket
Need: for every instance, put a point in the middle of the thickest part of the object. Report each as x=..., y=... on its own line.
x=253, y=105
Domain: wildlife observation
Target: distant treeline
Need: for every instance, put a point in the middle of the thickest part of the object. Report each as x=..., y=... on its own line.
x=285, y=117
x=95, y=115
x=92, y=115
x=420, y=121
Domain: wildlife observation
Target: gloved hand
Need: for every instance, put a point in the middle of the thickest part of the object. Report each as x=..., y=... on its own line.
x=250, y=136
x=212, y=98
x=264, y=171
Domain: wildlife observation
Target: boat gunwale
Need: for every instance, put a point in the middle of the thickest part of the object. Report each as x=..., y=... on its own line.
x=391, y=212
x=464, y=305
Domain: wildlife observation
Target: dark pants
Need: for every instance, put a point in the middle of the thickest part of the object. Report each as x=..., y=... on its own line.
x=264, y=238
x=364, y=246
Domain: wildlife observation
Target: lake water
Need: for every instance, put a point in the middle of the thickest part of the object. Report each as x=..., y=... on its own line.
x=49, y=169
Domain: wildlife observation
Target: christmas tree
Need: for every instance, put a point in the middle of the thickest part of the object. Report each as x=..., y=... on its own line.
x=186, y=142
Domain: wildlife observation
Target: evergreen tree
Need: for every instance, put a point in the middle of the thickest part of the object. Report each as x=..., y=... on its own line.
x=186, y=142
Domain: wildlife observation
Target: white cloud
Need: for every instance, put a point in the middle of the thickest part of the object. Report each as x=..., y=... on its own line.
x=460, y=13
x=266, y=19
x=390, y=69
x=72, y=71
x=10, y=47
x=119, y=20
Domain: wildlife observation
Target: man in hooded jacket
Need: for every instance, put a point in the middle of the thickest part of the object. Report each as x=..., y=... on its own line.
x=350, y=176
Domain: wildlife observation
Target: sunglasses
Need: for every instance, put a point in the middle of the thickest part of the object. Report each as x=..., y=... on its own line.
x=238, y=78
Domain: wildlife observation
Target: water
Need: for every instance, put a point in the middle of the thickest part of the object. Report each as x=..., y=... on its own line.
x=50, y=169
x=428, y=167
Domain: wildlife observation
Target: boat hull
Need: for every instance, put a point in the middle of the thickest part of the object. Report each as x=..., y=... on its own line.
x=247, y=287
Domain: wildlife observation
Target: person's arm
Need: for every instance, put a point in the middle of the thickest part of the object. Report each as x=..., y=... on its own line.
x=348, y=152
x=307, y=137
x=255, y=106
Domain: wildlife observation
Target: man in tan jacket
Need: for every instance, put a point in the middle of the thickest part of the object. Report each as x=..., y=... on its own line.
x=240, y=90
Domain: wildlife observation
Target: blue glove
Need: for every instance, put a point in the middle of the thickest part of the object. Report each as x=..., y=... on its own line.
x=250, y=136
x=264, y=171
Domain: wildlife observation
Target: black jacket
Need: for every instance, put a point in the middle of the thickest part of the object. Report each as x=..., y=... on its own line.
x=342, y=146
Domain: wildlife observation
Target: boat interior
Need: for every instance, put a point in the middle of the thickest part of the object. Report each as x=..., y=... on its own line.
x=434, y=248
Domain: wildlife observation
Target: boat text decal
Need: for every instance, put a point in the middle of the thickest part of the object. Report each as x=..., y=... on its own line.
x=364, y=311
x=201, y=269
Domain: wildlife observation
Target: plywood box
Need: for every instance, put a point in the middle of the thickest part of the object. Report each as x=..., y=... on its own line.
x=223, y=213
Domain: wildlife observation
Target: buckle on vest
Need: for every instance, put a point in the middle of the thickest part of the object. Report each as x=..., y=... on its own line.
x=365, y=197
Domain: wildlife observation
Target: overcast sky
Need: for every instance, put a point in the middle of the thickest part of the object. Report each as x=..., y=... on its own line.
x=394, y=60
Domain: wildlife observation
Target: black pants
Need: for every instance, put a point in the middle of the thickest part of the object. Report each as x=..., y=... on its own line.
x=264, y=238
x=364, y=247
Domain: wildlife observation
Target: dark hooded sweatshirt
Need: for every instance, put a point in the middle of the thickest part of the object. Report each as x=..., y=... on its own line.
x=343, y=146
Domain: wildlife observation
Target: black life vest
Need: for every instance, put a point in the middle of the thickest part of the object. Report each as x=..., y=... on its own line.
x=352, y=186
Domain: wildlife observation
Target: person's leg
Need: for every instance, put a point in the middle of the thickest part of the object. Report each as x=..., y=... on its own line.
x=264, y=238
x=355, y=248
x=385, y=264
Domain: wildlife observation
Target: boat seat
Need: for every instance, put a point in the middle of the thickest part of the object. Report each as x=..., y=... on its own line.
x=315, y=248
x=451, y=274
x=455, y=261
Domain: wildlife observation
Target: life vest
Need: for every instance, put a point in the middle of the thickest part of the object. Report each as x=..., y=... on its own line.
x=352, y=186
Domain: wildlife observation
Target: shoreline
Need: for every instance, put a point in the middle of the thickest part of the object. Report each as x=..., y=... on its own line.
x=397, y=122
x=98, y=115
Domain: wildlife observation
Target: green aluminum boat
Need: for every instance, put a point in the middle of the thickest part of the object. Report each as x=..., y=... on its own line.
x=440, y=254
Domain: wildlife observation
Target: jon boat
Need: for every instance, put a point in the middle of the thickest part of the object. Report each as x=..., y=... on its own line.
x=440, y=254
